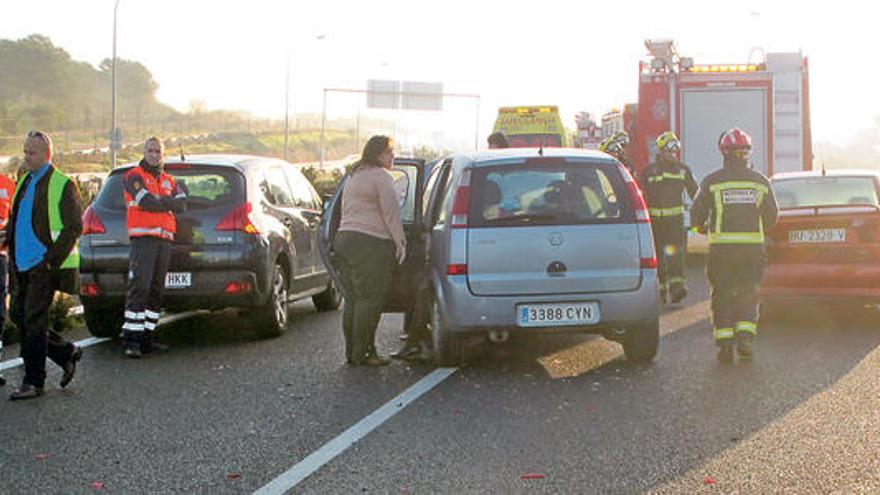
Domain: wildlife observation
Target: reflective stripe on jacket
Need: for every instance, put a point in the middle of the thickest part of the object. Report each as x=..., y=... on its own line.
x=736, y=205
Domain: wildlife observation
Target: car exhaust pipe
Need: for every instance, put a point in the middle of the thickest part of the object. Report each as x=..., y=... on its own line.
x=499, y=336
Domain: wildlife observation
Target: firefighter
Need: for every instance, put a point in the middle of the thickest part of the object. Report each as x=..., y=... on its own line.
x=152, y=198
x=664, y=184
x=622, y=140
x=615, y=149
x=735, y=205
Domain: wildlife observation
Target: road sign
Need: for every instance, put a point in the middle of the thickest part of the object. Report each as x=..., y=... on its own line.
x=406, y=95
x=383, y=94
x=422, y=96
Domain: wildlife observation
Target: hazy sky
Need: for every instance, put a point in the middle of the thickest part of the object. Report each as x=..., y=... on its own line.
x=580, y=55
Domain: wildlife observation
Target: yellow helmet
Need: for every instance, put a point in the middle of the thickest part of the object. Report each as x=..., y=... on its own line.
x=621, y=137
x=668, y=141
x=603, y=146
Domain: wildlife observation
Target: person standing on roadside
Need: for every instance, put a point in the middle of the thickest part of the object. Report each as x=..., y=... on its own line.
x=497, y=140
x=44, y=225
x=7, y=190
x=368, y=243
x=151, y=198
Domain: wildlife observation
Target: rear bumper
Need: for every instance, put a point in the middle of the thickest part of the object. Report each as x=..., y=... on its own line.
x=825, y=282
x=464, y=312
x=206, y=291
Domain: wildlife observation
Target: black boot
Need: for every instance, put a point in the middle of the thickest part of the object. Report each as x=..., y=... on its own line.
x=677, y=293
x=725, y=353
x=744, y=346
x=132, y=342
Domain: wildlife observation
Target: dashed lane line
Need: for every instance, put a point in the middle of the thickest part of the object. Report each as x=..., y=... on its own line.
x=349, y=437
x=165, y=320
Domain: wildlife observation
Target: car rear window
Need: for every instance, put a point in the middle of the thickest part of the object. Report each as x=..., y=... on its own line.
x=207, y=187
x=825, y=191
x=561, y=193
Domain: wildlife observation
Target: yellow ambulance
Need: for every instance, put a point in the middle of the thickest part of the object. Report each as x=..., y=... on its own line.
x=531, y=127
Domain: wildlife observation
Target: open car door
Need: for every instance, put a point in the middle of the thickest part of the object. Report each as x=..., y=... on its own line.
x=408, y=174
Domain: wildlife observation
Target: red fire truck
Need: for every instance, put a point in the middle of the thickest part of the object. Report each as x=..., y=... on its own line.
x=767, y=99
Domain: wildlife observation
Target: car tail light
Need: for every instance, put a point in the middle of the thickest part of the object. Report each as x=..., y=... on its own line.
x=239, y=219
x=461, y=205
x=92, y=223
x=638, y=200
x=238, y=287
x=89, y=290
x=457, y=269
x=648, y=263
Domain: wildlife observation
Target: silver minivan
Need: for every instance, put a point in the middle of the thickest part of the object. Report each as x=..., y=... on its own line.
x=528, y=240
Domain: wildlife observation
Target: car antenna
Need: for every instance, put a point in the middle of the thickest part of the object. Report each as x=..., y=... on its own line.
x=182, y=156
x=541, y=143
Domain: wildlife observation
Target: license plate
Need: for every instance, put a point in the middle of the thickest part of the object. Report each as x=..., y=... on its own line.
x=557, y=314
x=178, y=280
x=817, y=235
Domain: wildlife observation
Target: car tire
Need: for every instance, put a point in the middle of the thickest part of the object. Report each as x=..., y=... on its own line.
x=641, y=341
x=329, y=300
x=447, y=346
x=272, y=316
x=104, y=321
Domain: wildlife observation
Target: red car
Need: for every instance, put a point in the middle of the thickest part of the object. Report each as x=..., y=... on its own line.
x=826, y=245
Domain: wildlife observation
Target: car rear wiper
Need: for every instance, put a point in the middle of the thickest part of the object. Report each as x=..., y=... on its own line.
x=525, y=218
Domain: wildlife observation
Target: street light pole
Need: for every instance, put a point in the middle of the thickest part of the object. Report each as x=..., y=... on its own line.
x=287, y=108
x=113, y=93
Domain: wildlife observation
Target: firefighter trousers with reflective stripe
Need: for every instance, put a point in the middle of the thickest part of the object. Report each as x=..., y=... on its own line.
x=147, y=266
x=670, y=242
x=734, y=274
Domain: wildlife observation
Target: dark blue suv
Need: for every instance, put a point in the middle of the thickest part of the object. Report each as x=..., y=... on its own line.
x=248, y=239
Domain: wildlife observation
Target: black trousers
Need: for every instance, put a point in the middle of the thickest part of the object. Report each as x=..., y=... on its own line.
x=365, y=266
x=32, y=294
x=734, y=274
x=670, y=242
x=147, y=267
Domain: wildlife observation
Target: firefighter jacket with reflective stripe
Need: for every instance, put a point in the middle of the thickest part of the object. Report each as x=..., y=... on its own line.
x=664, y=184
x=735, y=205
x=148, y=200
x=57, y=223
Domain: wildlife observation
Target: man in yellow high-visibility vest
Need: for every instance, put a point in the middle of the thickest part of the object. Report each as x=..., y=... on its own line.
x=44, y=226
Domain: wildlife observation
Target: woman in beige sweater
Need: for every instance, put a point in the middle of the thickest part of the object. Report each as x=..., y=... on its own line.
x=369, y=242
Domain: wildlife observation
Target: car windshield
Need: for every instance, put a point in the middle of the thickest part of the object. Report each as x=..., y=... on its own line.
x=206, y=187
x=558, y=194
x=825, y=191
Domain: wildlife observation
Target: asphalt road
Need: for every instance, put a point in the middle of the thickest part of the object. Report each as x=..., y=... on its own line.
x=225, y=412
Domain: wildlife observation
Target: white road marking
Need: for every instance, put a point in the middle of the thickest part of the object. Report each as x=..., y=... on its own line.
x=13, y=363
x=349, y=437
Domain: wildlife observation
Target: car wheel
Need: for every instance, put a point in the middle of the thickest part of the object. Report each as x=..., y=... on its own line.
x=273, y=314
x=641, y=341
x=329, y=300
x=104, y=321
x=447, y=346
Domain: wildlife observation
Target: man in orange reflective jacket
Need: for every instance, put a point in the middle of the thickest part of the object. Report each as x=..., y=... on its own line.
x=151, y=198
x=7, y=190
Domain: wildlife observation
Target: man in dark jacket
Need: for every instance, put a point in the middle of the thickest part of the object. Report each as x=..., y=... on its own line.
x=664, y=184
x=735, y=205
x=42, y=232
